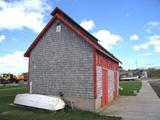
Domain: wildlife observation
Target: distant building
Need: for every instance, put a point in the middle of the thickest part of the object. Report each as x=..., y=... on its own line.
x=143, y=74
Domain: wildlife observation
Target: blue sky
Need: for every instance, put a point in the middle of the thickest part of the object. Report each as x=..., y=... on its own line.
x=130, y=29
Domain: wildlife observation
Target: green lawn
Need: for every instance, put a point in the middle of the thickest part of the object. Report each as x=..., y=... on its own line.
x=129, y=86
x=7, y=112
x=10, y=86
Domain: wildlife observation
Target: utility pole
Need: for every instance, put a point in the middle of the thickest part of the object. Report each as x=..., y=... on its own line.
x=136, y=63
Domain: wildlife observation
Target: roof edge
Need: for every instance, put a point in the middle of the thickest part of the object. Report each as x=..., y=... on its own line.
x=40, y=35
x=91, y=39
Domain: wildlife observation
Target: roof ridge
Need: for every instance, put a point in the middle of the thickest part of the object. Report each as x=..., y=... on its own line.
x=57, y=9
x=58, y=12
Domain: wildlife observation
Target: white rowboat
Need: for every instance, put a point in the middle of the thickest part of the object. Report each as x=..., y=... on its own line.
x=46, y=102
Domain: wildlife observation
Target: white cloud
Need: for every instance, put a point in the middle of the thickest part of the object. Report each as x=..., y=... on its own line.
x=145, y=54
x=152, y=26
x=107, y=39
x=155, y=24
x=134, y=37
x=157, y=48
x=141, y=46
x=13, y=63
x=87, y=24
x=23, y=13
x=2, y=37
x=154, y=41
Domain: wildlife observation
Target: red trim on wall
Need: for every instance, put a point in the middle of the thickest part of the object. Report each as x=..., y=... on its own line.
x=28, y=75
x=76, y=30
x=105, y=62
x=82, y=35
x=45, y=29
x=57, y=15
x=94, y=74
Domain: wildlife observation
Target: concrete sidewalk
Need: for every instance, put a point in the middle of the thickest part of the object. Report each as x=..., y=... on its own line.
x=144, y=106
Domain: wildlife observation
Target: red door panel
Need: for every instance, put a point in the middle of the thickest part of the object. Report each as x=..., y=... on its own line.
x=104, y=87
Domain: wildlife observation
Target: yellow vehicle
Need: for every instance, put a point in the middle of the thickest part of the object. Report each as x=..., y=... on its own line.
x=7, y=78
x=20, y=77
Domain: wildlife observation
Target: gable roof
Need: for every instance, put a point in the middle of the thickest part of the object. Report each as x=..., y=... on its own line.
x=59, y=14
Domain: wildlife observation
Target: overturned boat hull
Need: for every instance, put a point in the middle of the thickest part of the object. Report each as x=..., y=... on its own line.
x=46, y=102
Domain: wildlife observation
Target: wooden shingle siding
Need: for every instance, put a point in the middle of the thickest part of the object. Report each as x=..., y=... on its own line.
x=62, y=62
x=70, y=60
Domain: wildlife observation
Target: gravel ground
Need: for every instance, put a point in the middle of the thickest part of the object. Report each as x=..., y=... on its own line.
x=156, y=86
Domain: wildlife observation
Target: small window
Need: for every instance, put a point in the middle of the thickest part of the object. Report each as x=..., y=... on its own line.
x=58, y=28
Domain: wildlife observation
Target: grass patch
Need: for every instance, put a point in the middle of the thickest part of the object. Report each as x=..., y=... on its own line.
x=12, y=113
x=129, y=87
x=9, y=86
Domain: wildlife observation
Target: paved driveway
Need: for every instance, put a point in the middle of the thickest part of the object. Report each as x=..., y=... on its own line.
x=144, y=106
